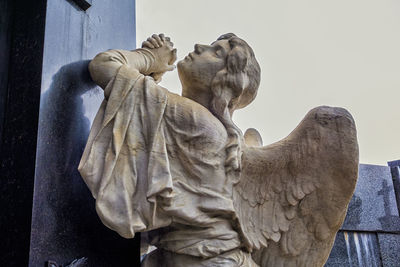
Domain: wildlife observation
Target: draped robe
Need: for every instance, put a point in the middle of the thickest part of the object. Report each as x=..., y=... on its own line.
x=154, y=161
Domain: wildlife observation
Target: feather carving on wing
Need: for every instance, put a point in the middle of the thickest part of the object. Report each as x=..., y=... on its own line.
x=293, y=195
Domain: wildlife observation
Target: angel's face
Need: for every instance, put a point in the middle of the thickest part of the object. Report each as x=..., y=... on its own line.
x=198, y=68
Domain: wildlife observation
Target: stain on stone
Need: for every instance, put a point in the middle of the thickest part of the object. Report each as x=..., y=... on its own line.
x=355, y=249
x=355, y=207
x=388, y=220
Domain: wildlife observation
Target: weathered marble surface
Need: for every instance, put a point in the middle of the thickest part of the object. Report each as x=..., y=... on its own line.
x=179, y=168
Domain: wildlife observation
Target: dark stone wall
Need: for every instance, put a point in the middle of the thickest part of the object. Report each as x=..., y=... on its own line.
x=65, y=225
x=370, y=235
x=6, y=12
x=355, y=249
x=395, y=170
x=373, y=206
x=21, y=44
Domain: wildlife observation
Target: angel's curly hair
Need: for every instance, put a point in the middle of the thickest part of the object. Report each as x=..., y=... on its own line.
x=234, y=87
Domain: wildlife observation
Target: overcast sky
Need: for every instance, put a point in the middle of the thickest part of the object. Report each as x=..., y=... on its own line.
x=339, y=53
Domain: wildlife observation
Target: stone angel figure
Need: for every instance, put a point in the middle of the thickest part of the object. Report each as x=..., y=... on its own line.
x=178, y=168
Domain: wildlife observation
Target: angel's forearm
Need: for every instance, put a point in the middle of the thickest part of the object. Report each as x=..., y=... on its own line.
x=106, y=64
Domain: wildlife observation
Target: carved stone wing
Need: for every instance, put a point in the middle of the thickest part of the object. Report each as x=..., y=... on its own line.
x=292, y=196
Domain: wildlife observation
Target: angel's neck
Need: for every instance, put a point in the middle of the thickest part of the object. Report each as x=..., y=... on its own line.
x=199, y=96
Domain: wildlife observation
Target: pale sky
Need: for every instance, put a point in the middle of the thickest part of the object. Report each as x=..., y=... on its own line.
x=317, y=52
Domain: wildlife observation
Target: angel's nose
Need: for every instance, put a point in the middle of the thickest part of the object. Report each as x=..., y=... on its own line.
x=198, y=48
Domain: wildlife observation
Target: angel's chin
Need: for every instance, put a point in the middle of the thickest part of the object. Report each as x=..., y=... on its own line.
x=181, y=63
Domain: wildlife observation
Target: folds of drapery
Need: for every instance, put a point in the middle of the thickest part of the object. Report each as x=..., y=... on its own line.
x=154, y=159
x=125, y=162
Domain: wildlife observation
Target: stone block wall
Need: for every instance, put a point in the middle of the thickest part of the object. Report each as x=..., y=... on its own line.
x=370, y=235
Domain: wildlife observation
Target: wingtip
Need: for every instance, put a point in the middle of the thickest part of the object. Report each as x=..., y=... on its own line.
x=252, y=138
x=332, y=111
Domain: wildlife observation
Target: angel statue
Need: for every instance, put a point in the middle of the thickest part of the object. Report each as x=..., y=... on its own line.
x=178, y=168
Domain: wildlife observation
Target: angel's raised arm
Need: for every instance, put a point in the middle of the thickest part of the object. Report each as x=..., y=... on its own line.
x=154, y=59
x=105, y=65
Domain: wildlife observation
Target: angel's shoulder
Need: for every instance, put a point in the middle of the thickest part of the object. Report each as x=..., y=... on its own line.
x=190, y=118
